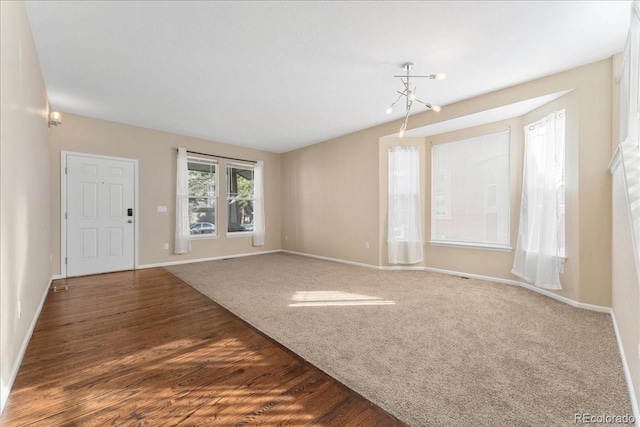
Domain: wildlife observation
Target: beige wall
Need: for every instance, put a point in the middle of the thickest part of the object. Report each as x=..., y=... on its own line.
x=625, y=292
x=156, y=155
x=625, y=284
x=331, y=204
x=327, y=186
x=24, y=196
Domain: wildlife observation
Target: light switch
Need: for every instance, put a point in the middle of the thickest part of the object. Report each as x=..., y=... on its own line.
x=162, y=209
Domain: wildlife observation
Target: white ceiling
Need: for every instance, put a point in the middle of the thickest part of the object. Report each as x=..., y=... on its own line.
x=281, y=75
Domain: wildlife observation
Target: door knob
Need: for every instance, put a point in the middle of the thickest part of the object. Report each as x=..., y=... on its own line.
x=130, y=221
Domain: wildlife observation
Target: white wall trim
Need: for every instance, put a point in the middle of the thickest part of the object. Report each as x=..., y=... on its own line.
x=215, y=258
x=341, y=261
x=616, y=159
x=627, y=373
x=23, y=348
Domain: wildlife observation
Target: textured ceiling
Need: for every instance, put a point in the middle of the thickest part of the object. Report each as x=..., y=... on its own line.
x=281, y=75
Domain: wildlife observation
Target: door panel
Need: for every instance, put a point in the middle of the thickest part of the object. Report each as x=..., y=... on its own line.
x=89, y=243
x=100, y=235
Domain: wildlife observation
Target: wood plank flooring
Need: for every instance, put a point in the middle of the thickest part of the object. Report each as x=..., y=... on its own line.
x=143, y=348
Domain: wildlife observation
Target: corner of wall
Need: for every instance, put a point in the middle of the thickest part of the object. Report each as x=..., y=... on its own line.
x=25, y=267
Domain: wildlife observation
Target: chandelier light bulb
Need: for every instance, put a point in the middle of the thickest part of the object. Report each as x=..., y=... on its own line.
x=390, y=110
x=401, y=134
x=436, y=108
x=441, y=76
x=412, y=95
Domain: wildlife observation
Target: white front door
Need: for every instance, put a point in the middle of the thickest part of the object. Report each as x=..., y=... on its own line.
x=99, y=215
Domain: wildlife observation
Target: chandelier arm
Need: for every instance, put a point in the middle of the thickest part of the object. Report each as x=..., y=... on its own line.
x=398, y=98
x=430, y=76
x=404, y=122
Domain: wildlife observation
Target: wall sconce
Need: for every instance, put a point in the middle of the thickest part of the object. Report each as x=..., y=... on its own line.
x=55, y=118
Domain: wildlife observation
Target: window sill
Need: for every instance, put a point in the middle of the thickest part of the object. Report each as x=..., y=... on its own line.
x=204, y=236
x=481, y=246
x=240, y=234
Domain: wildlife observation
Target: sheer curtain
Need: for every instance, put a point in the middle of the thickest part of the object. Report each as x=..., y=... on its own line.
x=404, y=223
x=258, y=204
x=183, y=243
x=540, y=249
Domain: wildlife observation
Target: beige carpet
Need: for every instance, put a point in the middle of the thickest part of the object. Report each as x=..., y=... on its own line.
x=429, y=348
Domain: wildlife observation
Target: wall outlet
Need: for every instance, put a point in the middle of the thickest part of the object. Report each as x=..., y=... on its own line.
x=286, y=237
x=161, y=209
x=166, y=246
x=366, y=245
x=19, y=308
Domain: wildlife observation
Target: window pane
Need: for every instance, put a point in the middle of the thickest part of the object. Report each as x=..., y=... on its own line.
x=202, y=196
x=470, y=202
x=240, y=215
x=202, y=179
x=202, y=215
x=240, y=183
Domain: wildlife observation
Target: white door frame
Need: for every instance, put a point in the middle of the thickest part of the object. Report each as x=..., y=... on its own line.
x=63, y=205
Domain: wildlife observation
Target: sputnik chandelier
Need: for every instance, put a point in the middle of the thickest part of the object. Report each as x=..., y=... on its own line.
x=410, y=94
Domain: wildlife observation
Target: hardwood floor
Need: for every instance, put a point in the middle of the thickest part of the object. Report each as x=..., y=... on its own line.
x=144, y=348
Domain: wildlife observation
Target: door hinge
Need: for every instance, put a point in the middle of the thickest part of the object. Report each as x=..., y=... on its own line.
x=65, y=170
x=65, y=260
x=65, y=215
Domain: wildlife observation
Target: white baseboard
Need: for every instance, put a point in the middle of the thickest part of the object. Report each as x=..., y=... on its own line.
x=23, y=348
x=544, y=292
x=627, y=373
x=341, y=261
x=215, y=258
x=57, y=277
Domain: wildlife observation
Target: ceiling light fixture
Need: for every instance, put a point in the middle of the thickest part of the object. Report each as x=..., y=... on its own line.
x=410, y=94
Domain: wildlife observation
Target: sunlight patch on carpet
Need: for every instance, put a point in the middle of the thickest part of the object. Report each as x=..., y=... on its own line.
x=336, y=298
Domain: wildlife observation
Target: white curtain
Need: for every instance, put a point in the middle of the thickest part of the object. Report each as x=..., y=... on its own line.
x=539, y=251
x=183, y=243
x=258, y=204
x=404, y=223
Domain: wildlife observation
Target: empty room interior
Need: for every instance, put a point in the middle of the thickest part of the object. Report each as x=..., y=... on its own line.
x=320, y=213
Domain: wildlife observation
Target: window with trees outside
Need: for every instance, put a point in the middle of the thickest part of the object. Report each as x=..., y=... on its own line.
x=470, y=192
x=203, y=184
x=240, y=198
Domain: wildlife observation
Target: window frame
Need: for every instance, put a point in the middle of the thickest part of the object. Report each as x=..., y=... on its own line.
x=228, y=198
x=447, y=178
x=216, y=165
